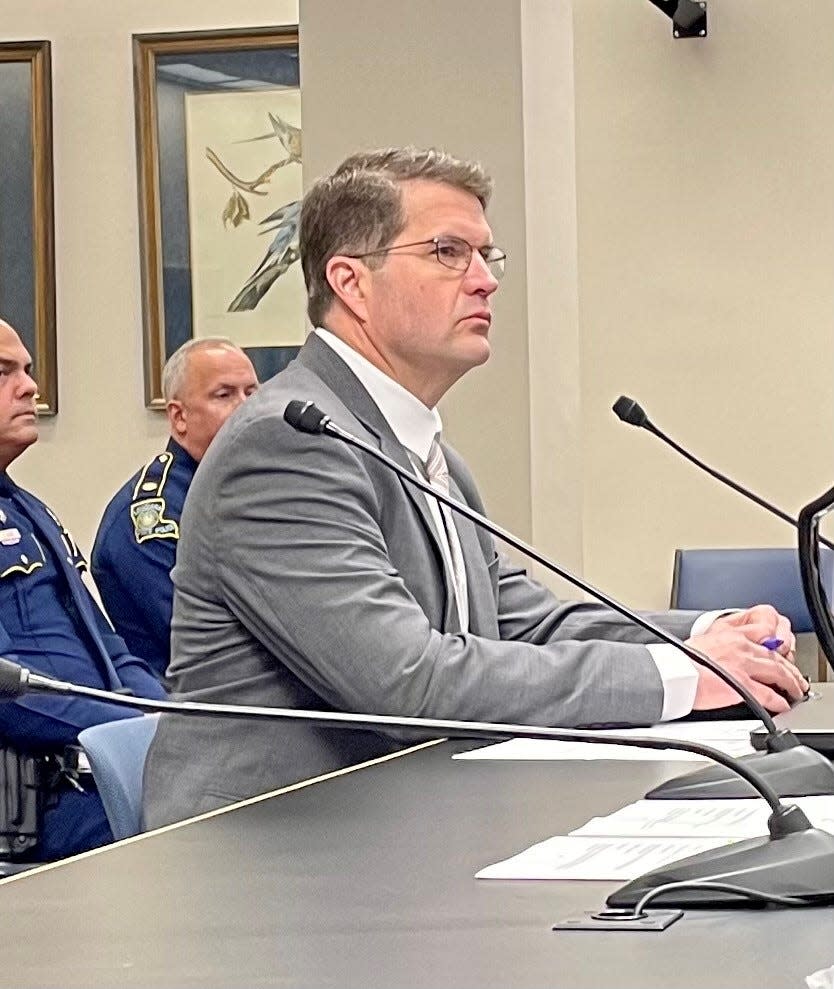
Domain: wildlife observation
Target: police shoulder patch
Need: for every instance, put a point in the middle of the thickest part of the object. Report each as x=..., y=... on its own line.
x=149, y=522
x=152, y=478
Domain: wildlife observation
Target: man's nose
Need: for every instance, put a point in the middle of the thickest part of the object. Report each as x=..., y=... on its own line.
x=481, y=275
x=28, y=385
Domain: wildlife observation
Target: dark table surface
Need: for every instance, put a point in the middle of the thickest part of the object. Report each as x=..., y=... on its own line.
x=367, y=880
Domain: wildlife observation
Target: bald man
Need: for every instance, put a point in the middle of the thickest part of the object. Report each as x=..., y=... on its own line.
x=50, y=623
x=203, y=383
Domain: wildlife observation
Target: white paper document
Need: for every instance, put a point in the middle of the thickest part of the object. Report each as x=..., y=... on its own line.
x=648, y=834
x=730, y=819
x=602, y=858
x=731, y=737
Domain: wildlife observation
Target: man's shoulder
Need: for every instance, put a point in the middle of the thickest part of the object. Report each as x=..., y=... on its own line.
x=142, y=506
x=34, y=503
x=264, y=411
x=27, y=496
x=41, y=514
x=297, y=381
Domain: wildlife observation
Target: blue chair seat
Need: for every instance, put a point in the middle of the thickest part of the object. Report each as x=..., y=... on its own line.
x=117, y=751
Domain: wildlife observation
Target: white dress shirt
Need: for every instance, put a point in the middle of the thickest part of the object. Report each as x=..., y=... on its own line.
x=415, y=426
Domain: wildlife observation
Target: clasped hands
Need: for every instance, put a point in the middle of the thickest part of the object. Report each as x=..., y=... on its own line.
x=734, y=642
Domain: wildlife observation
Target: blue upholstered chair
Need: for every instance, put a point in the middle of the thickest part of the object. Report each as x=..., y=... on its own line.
x=707, y=579
x=117, y=751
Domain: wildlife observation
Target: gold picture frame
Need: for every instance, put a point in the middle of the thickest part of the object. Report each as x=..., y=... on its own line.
x=172, y=73
x=27, y=224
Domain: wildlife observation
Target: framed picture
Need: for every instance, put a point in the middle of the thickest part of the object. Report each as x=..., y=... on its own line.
x=27, y=248
x=218, y=134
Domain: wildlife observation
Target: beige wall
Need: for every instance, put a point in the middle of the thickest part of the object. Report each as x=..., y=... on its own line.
x=668, y=211
x=556, y=462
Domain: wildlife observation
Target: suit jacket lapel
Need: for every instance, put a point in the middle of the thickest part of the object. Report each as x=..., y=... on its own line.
x=326, y=363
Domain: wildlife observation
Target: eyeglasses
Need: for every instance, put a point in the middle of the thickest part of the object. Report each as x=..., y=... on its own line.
x=452, y=252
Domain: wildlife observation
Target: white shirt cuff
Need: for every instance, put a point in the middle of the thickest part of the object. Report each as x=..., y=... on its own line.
x=704, y=622
x=678, y=672
x=680, y=680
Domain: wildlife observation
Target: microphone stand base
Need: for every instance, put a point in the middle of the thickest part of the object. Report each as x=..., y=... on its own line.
x=800, y=864
x=795, y=772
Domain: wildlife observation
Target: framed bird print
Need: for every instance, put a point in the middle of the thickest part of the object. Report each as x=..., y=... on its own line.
x=218, y=131
x=27, y=252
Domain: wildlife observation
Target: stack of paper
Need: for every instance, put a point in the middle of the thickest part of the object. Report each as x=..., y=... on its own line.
x=730, y=819
x=646, y=835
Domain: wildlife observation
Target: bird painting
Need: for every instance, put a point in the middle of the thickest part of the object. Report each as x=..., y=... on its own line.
x=289, y=136
x=282, y=222
x=282, y=252
x=237, y=209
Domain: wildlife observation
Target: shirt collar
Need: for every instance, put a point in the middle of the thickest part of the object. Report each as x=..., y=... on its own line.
x=414, y=425
x=181, y=454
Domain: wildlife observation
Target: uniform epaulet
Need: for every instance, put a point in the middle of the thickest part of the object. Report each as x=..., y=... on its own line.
x=147, y=509
x=152, y=477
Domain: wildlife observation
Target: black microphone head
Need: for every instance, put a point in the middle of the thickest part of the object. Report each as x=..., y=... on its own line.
x=12, y=680
x=305, y=417
x=630, y=411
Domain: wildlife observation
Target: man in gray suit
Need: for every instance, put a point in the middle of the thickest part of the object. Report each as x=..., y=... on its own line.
x=308, y=575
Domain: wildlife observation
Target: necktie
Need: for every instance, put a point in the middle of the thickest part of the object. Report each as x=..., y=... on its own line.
x=437, y=472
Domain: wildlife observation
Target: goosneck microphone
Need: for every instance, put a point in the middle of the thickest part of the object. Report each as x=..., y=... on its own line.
x=795, y=860
x=792, y=769
x=631, y=412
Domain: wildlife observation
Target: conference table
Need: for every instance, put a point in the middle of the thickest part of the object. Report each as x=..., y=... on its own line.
x=366, y=878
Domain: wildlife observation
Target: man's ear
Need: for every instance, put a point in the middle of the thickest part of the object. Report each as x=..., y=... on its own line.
x=175, y=411
x=349, y=279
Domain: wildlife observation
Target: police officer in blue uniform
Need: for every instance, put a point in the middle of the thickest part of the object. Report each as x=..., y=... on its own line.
x=203, y=383
x=134, y=552
x=50, y=623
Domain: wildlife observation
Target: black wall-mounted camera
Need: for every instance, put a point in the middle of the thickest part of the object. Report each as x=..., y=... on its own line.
x=689, y=17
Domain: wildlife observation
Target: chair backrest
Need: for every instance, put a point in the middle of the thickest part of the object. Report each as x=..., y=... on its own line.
x=117, y=751
x=708, y=579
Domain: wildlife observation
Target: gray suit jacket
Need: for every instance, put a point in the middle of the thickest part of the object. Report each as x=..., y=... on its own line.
x=309, y=575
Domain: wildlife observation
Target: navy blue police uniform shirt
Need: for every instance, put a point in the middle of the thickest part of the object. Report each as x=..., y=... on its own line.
x=134, y=553
x=50, y=623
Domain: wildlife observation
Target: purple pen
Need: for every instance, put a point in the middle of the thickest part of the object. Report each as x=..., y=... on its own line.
x=772, y=644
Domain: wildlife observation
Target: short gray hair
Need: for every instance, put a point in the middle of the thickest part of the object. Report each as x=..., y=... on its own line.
x=173, y=374
x=359, y=208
